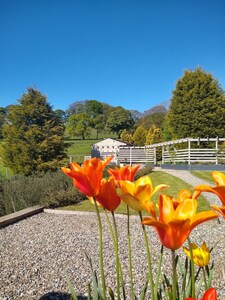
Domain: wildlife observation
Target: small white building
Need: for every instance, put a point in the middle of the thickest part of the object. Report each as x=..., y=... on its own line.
x=107, y=147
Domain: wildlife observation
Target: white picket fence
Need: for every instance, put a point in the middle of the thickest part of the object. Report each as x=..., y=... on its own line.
x=169, y=154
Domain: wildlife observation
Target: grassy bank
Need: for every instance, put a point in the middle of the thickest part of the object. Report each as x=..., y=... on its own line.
x=175, y=184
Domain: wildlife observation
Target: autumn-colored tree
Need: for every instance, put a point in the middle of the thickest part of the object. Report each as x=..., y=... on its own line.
x=154, y=135
x=126, y=137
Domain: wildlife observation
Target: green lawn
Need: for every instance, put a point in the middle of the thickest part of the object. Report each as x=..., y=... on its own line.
x=204, y=175
x=80, y=148
x=175, y=184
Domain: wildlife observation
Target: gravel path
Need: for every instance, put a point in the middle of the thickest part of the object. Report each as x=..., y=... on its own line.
x=35, y=253
x=193, y=181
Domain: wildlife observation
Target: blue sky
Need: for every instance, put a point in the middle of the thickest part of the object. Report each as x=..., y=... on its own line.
x=122, y=52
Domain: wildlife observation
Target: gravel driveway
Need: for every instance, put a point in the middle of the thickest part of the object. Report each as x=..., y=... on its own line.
x=35, y=253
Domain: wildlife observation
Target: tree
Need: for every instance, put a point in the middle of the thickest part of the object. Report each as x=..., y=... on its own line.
x=93, y=108
x=155, y=118
x=197, y=106
x=118, y=120
x=154, y=135
x=2, y=119
x=78, y=125
x=126, y=137
x=99, y=124
x=33, y=136
x=139, y=136
x=77, y=107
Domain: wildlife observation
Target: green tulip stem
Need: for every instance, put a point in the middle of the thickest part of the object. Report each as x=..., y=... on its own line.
x=101, y=252
x=192, y=270
x=129, y=253
x=149, y=259
x=205, y=281
x=117, y=257
x=174, y=286
x=114, y=245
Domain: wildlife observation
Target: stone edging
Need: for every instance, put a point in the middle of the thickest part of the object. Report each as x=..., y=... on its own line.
x=19, y=215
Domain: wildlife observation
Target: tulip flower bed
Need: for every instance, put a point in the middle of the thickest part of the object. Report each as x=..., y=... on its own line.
x=172, y=219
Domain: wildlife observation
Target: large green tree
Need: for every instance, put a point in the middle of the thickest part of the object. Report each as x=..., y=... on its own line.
x=118, y=120
x=197, y=106
x=78, y=125
x=155, y=118
x=139, y=136
x=33, y=136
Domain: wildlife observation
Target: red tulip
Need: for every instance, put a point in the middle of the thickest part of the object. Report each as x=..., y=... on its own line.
x=87, y=179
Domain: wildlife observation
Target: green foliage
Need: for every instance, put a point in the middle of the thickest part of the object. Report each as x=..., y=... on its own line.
x=146, y=170
x=2, y=119
x=167, y=134
x=78, y=125
x=154, y=135
x=139, y=136
x=52, y=189
x=126, y=137
x=197, y=106
x=155, y=118
x=118, y=120
x=33, y=136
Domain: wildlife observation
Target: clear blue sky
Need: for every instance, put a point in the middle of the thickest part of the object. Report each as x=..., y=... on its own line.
x=122, y=52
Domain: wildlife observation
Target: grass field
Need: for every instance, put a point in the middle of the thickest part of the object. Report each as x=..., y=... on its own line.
x=175, y=184
x=204, y=175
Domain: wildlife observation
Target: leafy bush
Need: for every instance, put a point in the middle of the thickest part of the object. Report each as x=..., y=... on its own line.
x=145, y=170
x=52, y=189
x=63, y=198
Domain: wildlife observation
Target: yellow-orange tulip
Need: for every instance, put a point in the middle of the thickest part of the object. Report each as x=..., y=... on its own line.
x=183, y=194
x=107, y=196
x=175, y=224
x=124, y=173
x=219, y=189
x=87, y=178
x=201, y=255
x=136, y=194
x=221, y=209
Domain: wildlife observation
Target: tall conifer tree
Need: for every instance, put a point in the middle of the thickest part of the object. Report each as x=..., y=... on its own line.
x=197, y=106
x=33, y=136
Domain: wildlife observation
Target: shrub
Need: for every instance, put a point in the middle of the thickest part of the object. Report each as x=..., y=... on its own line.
x=52, y=189
x=145, y=170
x=63, y=198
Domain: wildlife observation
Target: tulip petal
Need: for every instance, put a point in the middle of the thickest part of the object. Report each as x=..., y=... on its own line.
x=219, y=209
x=202, y=217
x=219, y=178
x=160, y=187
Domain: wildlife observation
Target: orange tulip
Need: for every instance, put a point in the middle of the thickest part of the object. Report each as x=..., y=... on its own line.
x=219, y=189
x=210, y=294
x=183, y=194
x=87, y=179
x=124, y=173
x=107, y=196
x=175, y=224
x=221, y=209
x=136, y=194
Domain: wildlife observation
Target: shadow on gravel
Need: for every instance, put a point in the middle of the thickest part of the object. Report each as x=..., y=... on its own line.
x=59, y=296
